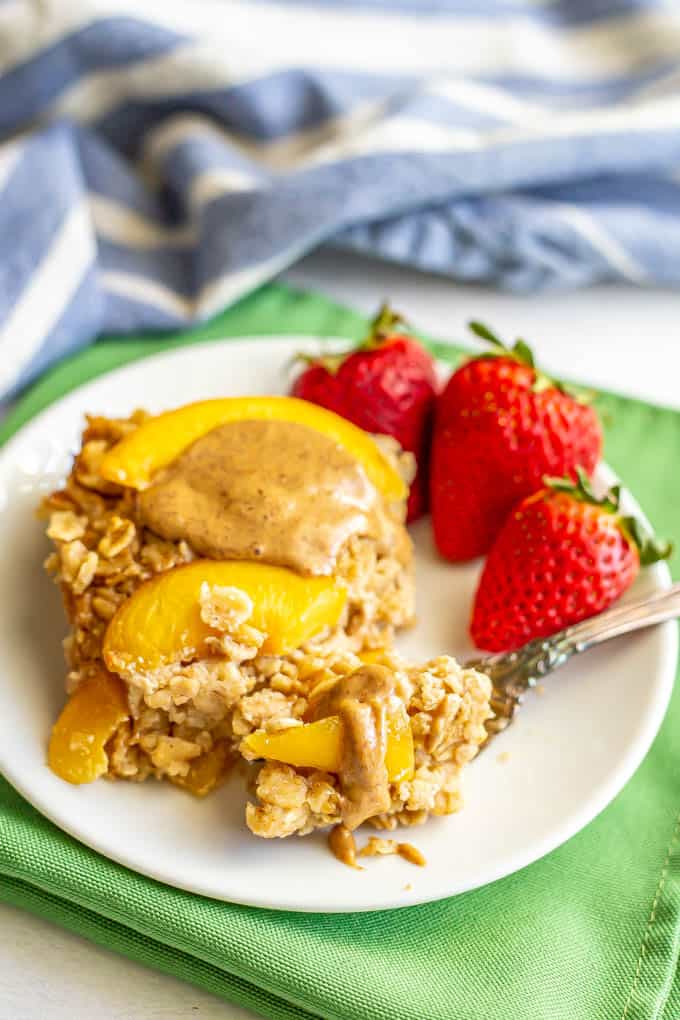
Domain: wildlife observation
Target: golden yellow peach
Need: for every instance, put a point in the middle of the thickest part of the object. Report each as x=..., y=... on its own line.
x=160, y=440
x=374, y=656
x=90, y=717
x=318, y=745
x=206, y=772
x=162, y=623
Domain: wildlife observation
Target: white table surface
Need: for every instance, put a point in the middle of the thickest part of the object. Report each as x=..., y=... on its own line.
x=622, y=339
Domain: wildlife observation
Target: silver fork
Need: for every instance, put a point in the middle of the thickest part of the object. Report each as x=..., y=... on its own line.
x=514, y=673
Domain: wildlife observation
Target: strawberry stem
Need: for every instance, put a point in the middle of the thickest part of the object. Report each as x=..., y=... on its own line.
x=650, y=548
x=384, y=325
x=522, y=353
x=331, y=362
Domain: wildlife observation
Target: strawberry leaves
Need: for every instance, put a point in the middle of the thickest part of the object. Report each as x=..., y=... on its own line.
x=385, y=325
x=520, y=350
x=583, y=491
x=650, y=548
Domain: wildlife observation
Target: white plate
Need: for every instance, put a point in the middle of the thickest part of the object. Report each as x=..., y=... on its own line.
x=564, y=759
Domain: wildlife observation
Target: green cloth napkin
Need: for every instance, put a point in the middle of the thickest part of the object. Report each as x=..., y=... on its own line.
x=590, y=932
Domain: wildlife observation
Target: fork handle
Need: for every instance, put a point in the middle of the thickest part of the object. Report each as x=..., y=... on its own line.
x=513, y=673
x=656, y=608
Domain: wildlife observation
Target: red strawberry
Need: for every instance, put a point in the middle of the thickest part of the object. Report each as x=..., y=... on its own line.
x=387, y=385
x=500, y=426
x=562, y=555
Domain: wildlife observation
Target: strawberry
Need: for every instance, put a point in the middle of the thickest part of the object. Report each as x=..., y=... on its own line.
x=387, y=385
x=500, y=426
x=562, y=555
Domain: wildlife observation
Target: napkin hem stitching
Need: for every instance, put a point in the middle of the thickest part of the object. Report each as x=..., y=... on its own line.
x=651, y=919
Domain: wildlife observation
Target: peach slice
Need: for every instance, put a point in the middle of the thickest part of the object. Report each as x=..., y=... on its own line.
x=374, y=656
x=161, y=622
x=206, y=772
x=318, y=745
x=87, y=722
x=160, y=440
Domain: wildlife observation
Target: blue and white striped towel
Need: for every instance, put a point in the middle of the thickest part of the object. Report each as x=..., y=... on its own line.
x=159, y=159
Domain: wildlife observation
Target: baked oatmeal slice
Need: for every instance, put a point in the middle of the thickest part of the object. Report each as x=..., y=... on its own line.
x=186, y=721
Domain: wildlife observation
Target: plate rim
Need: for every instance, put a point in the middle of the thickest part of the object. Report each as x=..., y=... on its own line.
x=588, y=811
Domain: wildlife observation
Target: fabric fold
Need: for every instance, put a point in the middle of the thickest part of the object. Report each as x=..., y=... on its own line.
x=203, y=149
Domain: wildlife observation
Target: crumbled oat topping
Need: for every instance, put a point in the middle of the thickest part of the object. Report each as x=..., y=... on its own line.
x=78, y=566
x=171, y=754
x=117, y=537
x=65, y=526
x=378, y=847
x=224, y=607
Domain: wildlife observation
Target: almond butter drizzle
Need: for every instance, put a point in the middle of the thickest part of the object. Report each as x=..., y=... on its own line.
x=342, y=845
x=411, y=854
x=362, y=700
x=273, y=491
